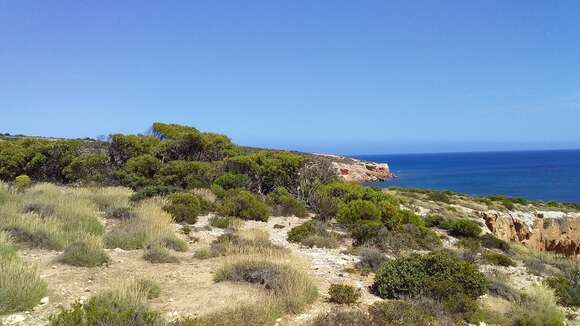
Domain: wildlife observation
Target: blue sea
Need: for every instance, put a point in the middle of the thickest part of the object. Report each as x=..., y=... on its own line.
x=536, y=175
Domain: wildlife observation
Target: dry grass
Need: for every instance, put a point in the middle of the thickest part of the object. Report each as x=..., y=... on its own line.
x=20, y=286
x=151, y=224
x=87, y=253
x=206, y=194
x=243, y=242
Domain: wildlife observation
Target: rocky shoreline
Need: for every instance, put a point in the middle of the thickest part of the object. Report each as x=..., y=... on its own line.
x=353, y=170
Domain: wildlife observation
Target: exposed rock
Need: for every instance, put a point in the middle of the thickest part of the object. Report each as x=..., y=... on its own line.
x=560, y=233
x=351, y=169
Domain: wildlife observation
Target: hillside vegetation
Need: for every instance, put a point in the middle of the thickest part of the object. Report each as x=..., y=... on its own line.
x=211, y=221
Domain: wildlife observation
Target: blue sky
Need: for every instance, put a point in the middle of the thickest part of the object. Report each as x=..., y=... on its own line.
x=350, y=77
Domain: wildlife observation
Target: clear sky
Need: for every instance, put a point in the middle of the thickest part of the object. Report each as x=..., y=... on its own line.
x=351, y=77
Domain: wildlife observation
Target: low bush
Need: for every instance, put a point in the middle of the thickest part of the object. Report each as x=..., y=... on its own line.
x=499, y=286
x=124, y=306
x=229, y=181
x=364, y=231
x=292, y=288
x=121, y=213
x=226, y=222
x=537, y=307
x=409, y=237
x=495, y=258
x=183, y=206
x=492, y=242
x=325, y=206
x=358, y=210
x=343, y=317
x=399, y=312
x=313, y=234
x=284, y=204
x=87, y=253
x=439, y=197
x=22, y=182
x=343, y=294
x=153, y=191
x=251, y=241
x=567, y=286
x=21, y=288
x=438, y=275
x=245, y=205
x=156, y=253
x=462, y=228
x=370, y=259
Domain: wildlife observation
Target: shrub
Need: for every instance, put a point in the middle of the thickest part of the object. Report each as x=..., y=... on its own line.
x=147, y=286
x=370, y=259
x=438, y=275
x=403, y=217
x=434, y=221
x=490, y=241
x=245, y=205
x=227, y=222
x=120, y=213
x=285, y=204
x=343, y=317
x=498, y=259
x=21, y=288
x=313, y=234
x=232, y=181
x=292, y=288
x=364, y=231
x=22, y=182
x=567, y=287
x=88, y=169
x=358, y=210
x=125, y=306
x=399, y=313
x=463, y=228
x=537, y=307
x=408, y=237
x=325, y=206
x=183, y=206
x=250, y=241
x=86, y=253
x=156, y=253
x=439, y=197
x=153, y=191
x=344, y=294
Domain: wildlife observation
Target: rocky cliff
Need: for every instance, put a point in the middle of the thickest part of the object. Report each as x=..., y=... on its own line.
x=542, y=230
x=350, y=169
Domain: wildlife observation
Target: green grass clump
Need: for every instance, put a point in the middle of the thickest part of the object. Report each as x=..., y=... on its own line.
x=20, y=286
x=492, y=242
x=247, y=242
x=313, y=234
x=243, y=204
x=462, y=228
x=399, y=312
x=537, y=307
x=157, y=253
x=284, y=204
x=343, y=294
x=183, y=206
x=227, y=222
x=126, y=305
x=151, y=224
x=86, y=253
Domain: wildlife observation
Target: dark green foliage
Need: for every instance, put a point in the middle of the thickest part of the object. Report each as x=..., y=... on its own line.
x=325, y=206
x=107, y=310
x=156, y=253
x=245, y=205
x=140, y=171
x=403, y=217
x=358, y=210
x=364, y=231
x=343, y=317
x=152, y=191
x=88, y=169
x=301, y=232
x=229, y=181
x=439, y=197
x=343, y=294
x=434, y=220
x=186, y=174
x=399, y=313
x=183, y=206
x=492, y=242
x=124, y=147
x=267, y=170
x=462, y=228
x=495, y=258
x=438, y=275
x=567, y=286
x=284, y=204
x=226, y=222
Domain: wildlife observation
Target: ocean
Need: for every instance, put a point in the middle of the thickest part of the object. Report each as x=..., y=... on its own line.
x=536, y=175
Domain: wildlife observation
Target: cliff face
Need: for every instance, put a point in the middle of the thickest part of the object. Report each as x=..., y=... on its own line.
x=350, y=169
x=544, y=231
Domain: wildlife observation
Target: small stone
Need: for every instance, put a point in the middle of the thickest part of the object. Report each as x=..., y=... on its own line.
x=53, y=266
x=44, y=301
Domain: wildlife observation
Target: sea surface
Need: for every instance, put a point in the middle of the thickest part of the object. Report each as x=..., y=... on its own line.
x=536, y=175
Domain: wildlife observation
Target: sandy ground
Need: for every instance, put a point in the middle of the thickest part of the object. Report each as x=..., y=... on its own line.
x=187, y=288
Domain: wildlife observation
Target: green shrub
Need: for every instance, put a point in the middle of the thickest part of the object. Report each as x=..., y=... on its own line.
x=537, y=307
x=312, y=234
x=408, y=237
x=567, y=287
x=344, y=294
x=399, y=313
x=364, y=231
x=86, y=253
x=284, y=204
x=325, y=206
x=229, y=181
x=88, y=169
x=358, y=210
x=186, y=174
x=403, y=217
x=153, y=191
x=438, y=275
x=226, y=222
x=490, y=241
x=22, y=182
x=462, y=228
x=343, y=317
x=245, y=205
x=498, y=259
x=248, y=242
x=439, y=197
x=183, y=206
x=434, y=220
x=21, y=288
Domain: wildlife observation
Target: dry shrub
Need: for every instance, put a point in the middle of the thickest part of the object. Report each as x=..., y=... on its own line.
x=87, y=253
x=245, y=242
